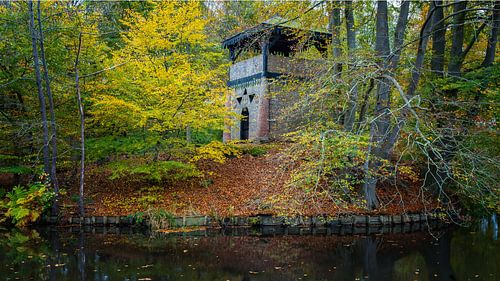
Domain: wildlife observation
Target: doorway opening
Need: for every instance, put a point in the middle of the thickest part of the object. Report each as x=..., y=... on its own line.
x=245, y=124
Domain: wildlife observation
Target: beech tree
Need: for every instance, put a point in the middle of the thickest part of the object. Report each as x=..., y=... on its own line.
x=177, y=74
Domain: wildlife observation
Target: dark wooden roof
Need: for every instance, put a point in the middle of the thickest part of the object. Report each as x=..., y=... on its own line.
x=281, y=36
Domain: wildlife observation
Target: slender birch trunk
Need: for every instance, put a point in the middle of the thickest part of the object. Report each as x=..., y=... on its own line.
x=41, y=97
x=82, y=129
x=53, y=137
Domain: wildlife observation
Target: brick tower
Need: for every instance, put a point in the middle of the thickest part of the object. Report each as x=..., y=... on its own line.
x=260, y=55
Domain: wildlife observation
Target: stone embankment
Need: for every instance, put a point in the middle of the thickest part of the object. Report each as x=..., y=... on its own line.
x=344, y=224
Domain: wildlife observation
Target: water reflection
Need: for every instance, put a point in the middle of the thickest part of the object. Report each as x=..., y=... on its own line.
x=60, y=255
x=486, y=227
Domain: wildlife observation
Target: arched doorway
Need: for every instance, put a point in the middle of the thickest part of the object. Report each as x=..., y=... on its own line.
x=245, y=124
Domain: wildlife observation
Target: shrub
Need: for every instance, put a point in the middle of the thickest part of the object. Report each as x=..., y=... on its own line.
x=253, y=149
x=330, y=163
x=216, y=151
x=25, y=205
x=147, y=200
x=154, y=171
x=160, y=219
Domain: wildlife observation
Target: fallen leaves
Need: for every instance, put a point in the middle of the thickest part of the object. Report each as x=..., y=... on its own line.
x=241, y=186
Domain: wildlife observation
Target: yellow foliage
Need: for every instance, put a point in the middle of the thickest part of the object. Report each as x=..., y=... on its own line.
x=170, y=75
x=216, y=151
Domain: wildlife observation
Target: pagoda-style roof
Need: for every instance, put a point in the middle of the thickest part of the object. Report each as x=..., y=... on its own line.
x=280, y=34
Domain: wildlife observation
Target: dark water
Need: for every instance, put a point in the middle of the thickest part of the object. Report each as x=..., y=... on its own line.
x=50, y=254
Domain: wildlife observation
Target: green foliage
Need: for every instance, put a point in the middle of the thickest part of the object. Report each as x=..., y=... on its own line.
x=160, y=219
x=16, y=170
x=13, y=164
x=476, y=174
x=468, y=107
x=255, y=150
x=207, y=182
x=25, y=205
x=20, y=123
x=216, y=151
x=147, y=200
x=156, y=171
x=157, y=218
x=115, y=145
x=329, y=163
x=21, y=246
x=205, y=136
x=138, y=217
x=169, y=146
x=149, y=195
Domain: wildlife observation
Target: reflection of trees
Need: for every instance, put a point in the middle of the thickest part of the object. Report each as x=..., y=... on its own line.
x=224, y=257
x=268, y=258
x=55, y=243
x=437, y=257
x=81, y=256
x=406, y=268
x=118, y=257
x=22, y=251
x=485, y=253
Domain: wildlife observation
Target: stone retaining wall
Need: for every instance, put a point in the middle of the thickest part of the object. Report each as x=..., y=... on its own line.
x=267, y=230
x=260, y=221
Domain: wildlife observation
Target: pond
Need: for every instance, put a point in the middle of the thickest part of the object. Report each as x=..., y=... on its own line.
x=60, y=254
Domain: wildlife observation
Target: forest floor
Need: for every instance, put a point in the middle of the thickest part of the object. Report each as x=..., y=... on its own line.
x=242, y=186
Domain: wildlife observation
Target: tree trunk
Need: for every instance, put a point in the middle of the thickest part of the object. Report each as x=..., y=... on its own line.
x=438, y=171
x=489, y=58
x=350, y=114
x=362, y=111
x=82, y=128
x=382, y=108
x=419, y=60
x=438, y=39
x=379, y=129
x=188, y=134
x=336, y=43
x=425, y=31
x=380, y=126
x=41, y=97
x=457, y=35
x=53, y=137
x=399, y=34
